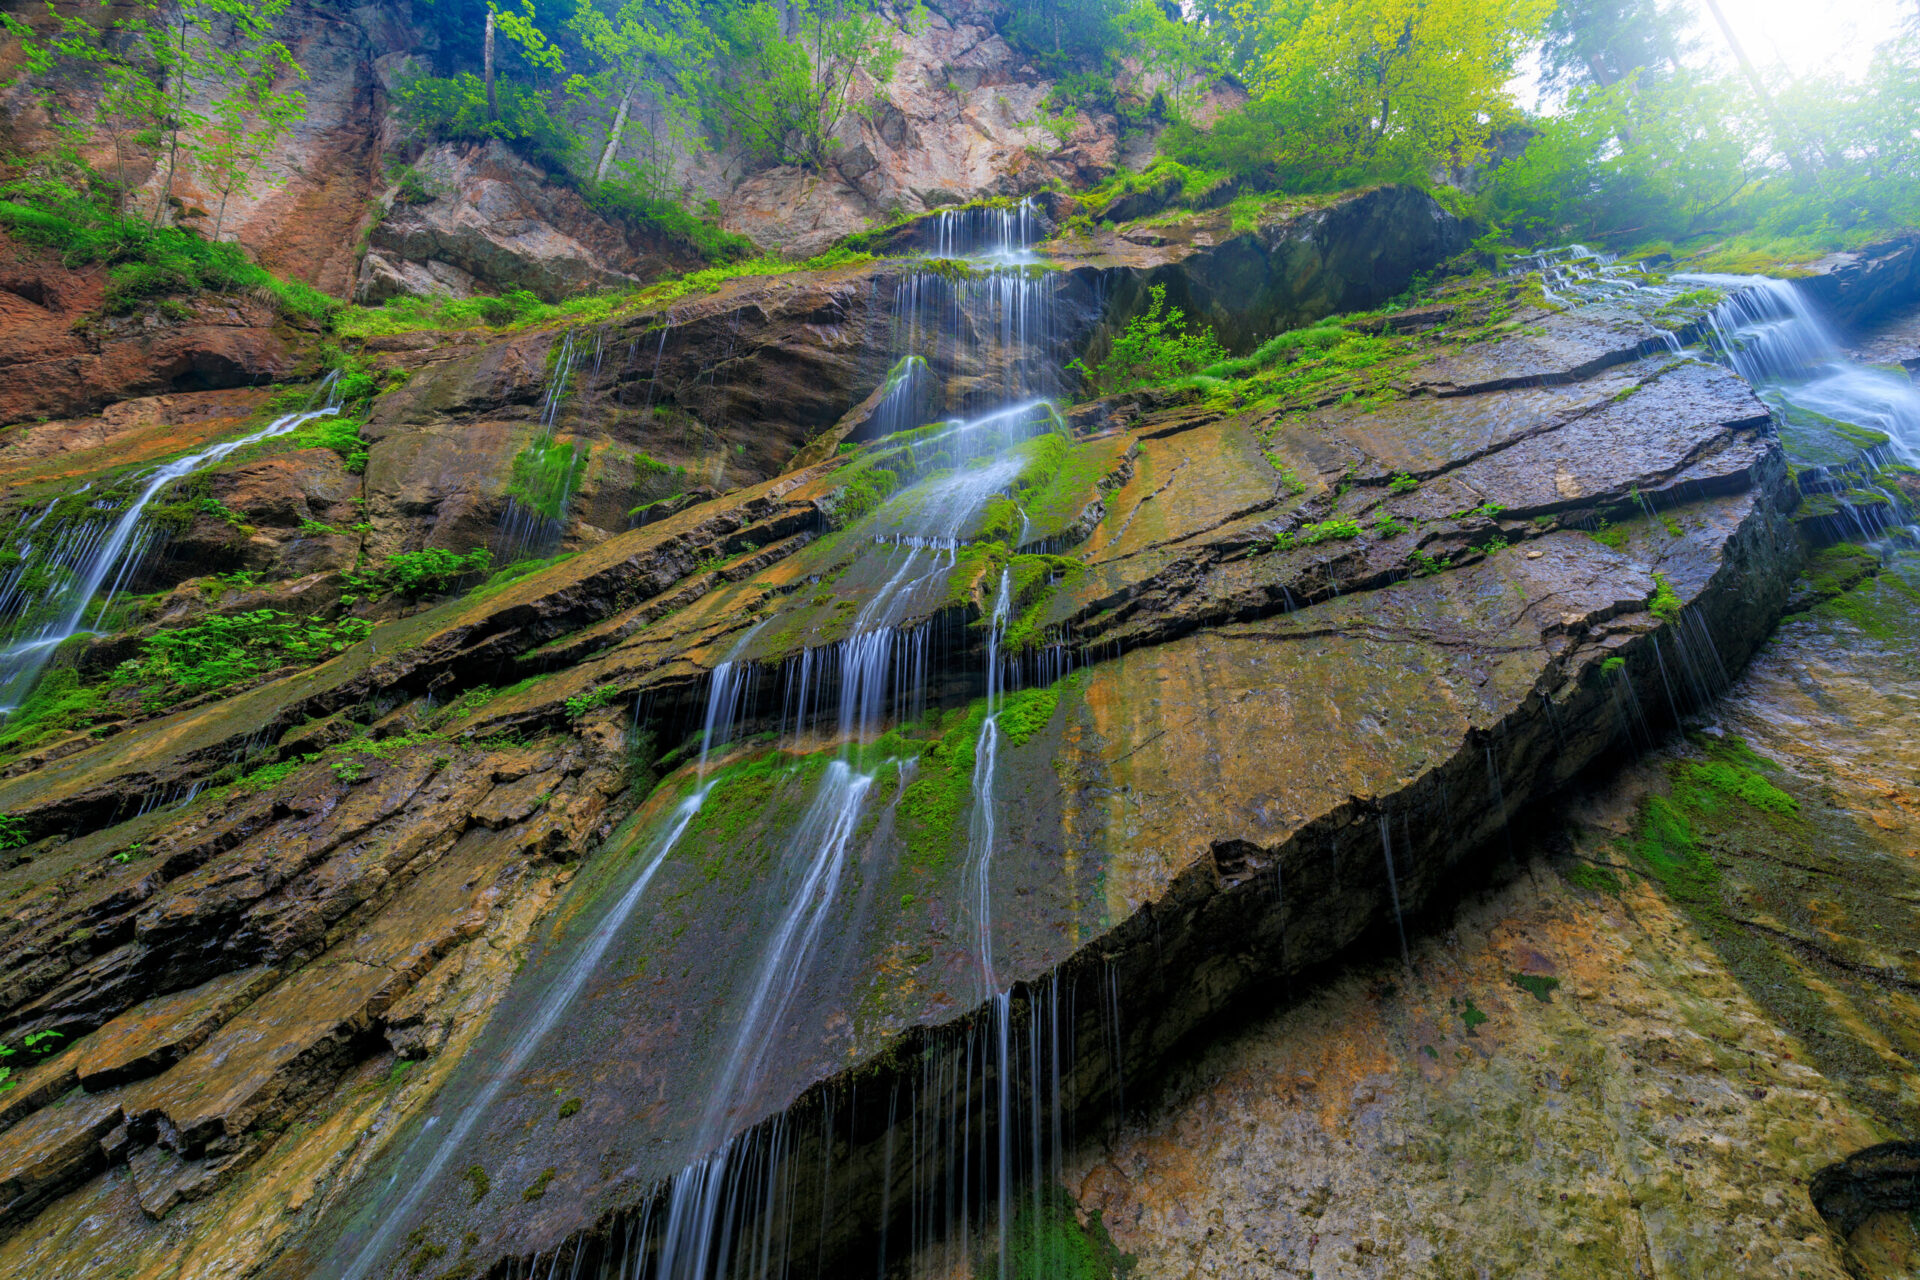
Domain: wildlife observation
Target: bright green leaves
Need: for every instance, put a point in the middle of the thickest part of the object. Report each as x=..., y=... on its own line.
x=1155, y=347
x=545, y=474
x=218, y=651
x=785, y=96
x=429, y=571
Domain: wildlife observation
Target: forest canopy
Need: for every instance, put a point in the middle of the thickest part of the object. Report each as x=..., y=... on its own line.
x=1648, y=125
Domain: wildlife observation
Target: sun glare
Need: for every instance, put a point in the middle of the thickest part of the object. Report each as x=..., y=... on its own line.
x=1802, y=36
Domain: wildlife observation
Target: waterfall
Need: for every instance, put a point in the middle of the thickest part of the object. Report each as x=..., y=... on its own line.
x=75, y=562
x=545, y=473
x=972, y=340
x=1773, y=337
x=725, y=688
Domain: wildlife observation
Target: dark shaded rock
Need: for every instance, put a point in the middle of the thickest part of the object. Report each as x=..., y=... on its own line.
x=1861, y=286
x=1877, y=1180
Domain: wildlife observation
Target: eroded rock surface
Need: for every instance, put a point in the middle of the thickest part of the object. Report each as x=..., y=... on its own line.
x=1590, y=1070
x=1302, y=622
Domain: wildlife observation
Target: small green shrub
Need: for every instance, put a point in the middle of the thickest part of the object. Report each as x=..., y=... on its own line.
x=668, y=218
x=218, y=651
x=144, y=263
x=429, y=571
x=1307, y=535
x=1154, y=347
x=1665, y=603
x=581, y=703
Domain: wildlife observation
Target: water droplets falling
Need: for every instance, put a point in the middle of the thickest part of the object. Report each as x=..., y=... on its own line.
x=52, y=586
x=547, y=470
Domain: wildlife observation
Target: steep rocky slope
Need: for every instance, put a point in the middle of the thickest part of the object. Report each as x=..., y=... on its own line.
x=1328, y=644
x=902, y=812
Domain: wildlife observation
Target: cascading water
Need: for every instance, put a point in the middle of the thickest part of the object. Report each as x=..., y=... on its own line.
x=1771, y=334
x=980, y=332
x=546, y=471
x=55, y=577
x=1773, y=337
x=432, y=1153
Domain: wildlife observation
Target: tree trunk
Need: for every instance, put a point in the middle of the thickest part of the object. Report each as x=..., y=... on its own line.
x=493, y=106
x=1781, y=132
x=615, y=133
x=179, y=103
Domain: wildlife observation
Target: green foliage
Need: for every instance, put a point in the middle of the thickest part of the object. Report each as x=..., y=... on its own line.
x=219, y=651
x=545, y=474
x=1307, y=535
x=569, y=1108
x=1155, y=347
x=1738, y=782
x=1677, y=153
x=1066, y=34
x=622, y=200
x=1665, y=603
x=582, y=703
x=1608, y=534
x=1595, y=879
x=1539, y=986
x=1171, y=183
x=202, y=86
x=787, y=72
x=340, y=433
x=454, y=109
x=37, y=1043
x=429, y=571
x=144, y=263
x=1353, y=91
x=269, y=776
x=411, y=187
x=1045, y=1241
x=13, y=831
x=863, y=487
x=1025, y=713
x=59, y=704
x=478, y=1183
x=1402, y=483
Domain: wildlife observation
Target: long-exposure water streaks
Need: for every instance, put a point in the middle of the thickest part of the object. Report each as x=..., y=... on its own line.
x=432, y=1152
x=725, y=1209
x=546, y=471
x=60, y=568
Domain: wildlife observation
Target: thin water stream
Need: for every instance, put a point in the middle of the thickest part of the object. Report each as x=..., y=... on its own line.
x=76, y=563
x=857, y=685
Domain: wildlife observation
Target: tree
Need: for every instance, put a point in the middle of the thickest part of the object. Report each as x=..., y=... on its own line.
x=655, y=55
x=785, y=95
x=1356, y=90
x=1183, y=55
x=1602, y=42
x=250, y=114
x=1067, y=33
x=199, y=76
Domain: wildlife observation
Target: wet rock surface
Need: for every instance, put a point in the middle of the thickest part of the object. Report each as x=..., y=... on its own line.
x=261, y=955
x=1591, y=1068
x=1316, y=644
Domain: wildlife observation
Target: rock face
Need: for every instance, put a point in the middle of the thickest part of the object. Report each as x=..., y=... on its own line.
x=964, y=119
x=60, y=359
x=1583, y=1072
x=496, y=224
x=1328, y=642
